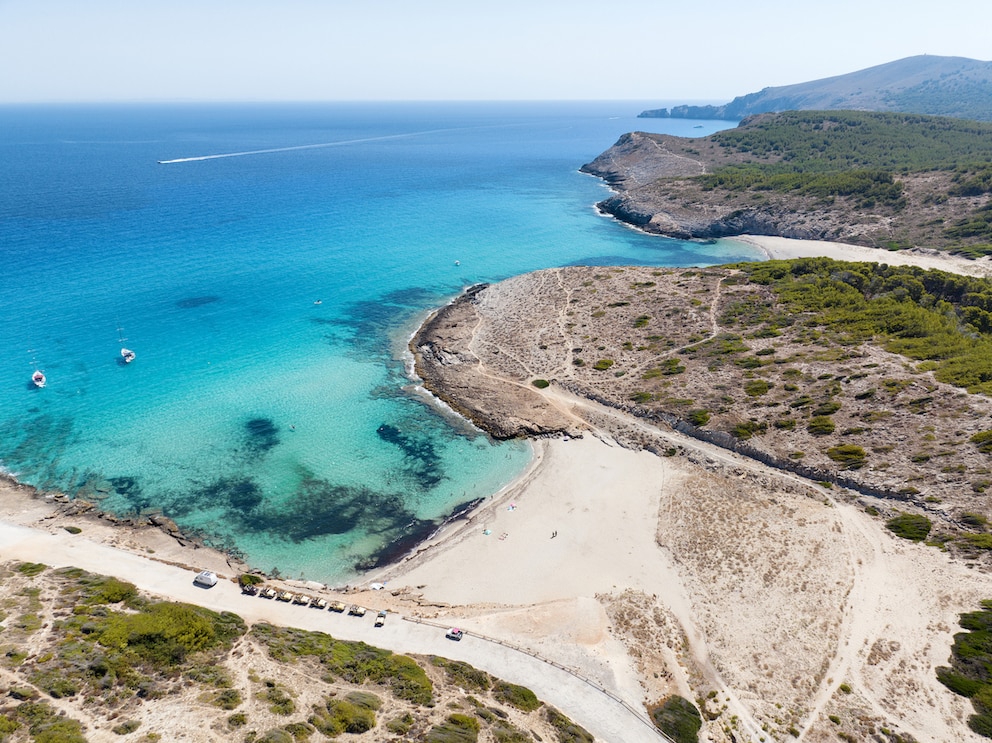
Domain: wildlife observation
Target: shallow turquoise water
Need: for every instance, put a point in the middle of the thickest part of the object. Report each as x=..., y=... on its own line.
x=276, y=426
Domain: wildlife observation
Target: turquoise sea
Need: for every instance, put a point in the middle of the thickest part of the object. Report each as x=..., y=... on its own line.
x=268, y=296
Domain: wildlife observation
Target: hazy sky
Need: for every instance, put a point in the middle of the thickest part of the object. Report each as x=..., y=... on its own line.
x=100, y=50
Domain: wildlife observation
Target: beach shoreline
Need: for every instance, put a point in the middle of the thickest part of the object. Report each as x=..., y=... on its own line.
x=632, y=568
x=785, y=248
x=23, y=504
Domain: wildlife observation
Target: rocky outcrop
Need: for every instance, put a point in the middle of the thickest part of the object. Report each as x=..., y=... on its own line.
x=652, y=175
x=444, y=360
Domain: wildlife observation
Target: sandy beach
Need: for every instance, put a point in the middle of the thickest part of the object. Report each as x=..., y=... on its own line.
x=781, y=604
x=784, y=248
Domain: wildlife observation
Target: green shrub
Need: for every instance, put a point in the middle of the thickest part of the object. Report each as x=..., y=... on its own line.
x=163, y=634
x=678, y=718
x=826, y=408
x=820, y=425
x=55, y=683
x=911, y=526
x=518, y=696
x=31, y=569
x=237, y=720
x=603, y=364
x=786, y=424
x=341, y=716
x=278, y=735
x=401, y=725
x=974, y=520
x=541, y=383
x=46, y=725
x=355, y=662
x=456, y=729
x=250, y=579
x=505, y=732
x=7, y=726
x=971, y=658
x=105, y=590
x=698, y=416
x=300, y=730
x=364, y=699
x=463, y=675
x=73, y=529
x=850, y=456
x=977, y=541
x=228, y=699
x=757, y=387
x=747, y=429
x=983, y=440
x=128, y=726
x=568, y=731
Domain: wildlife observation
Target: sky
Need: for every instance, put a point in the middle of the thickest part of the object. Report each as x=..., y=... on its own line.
x=317, y=50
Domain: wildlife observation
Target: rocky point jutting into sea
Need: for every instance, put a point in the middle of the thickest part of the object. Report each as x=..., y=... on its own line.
x=667, y=346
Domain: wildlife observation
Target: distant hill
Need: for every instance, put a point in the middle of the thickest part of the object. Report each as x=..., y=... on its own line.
x=925, y=84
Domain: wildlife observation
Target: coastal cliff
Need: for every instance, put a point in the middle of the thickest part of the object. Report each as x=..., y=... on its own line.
x=652, y=176
x=878, y=180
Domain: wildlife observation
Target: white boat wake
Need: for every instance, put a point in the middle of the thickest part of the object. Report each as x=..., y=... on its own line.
x=299, y=147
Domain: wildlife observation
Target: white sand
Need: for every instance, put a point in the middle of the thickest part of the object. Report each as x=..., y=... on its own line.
x=785, y=248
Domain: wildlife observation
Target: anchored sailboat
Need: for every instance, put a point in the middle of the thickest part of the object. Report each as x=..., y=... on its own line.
x=126, y=353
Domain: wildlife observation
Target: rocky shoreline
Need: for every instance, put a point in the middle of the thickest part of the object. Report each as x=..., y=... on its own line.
x=483, y=353
x=451, y=371
x=651, y=175
x=656, y=191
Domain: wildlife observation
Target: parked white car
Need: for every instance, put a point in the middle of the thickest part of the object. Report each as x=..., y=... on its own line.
x=206, y=578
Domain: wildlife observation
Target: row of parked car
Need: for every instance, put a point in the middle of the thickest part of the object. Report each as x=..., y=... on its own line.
x=208, y=579
x=314, y=602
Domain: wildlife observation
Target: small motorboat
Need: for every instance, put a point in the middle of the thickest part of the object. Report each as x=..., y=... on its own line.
x=38, y=378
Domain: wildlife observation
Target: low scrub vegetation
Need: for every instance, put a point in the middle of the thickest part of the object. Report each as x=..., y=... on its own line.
x=911, y=526
x=850, y=456
x=678, y=718
x=355, y=662
x=923, y=315
x=971, y=659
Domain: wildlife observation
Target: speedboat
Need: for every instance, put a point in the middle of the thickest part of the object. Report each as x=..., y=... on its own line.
x=38, y=378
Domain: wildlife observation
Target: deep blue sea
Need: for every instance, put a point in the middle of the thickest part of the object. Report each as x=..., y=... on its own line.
x=269, y=295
